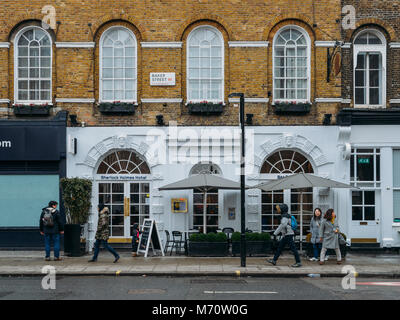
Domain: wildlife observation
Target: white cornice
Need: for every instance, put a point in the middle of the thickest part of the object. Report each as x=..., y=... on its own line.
x=254, y=44
x=4, y=100
x=328, y=100
x=250, y=100
x=346, y=101
x=325, y=44
x=347, y=45
x=161, y=44
x=392, y=101
x=394, y=45
x=162, y=100
x=4, y=44
x=75, y=100
x=75, y=44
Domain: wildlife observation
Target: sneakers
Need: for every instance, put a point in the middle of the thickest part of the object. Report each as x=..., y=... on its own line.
x=57, y=259
x=272, y=261
x=116, y=259
x=47, y=259
x=92, y=260
x=313, y=259
x=296, y=265
x=326, y=258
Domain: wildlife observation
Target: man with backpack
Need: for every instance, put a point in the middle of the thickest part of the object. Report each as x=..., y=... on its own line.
x=51, y=226
x=286, y=228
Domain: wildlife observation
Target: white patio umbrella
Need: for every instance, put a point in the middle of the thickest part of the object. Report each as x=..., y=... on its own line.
x=301, y=180
x=203, y=182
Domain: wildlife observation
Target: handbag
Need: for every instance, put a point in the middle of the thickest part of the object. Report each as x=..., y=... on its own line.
x=342, y=241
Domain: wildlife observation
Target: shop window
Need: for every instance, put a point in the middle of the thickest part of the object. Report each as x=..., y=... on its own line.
x=33, y=66
x=363, y=205
x=365, y=167
x=205, y=65
x=369, y=69
x=118, y=65
x=396, y=185
x=291, y=65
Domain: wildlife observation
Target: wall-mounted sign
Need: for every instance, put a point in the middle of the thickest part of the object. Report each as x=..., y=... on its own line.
x=121, y=177
x=232, y=213
x=363, y=160
x=162, y=79
x=179, y=205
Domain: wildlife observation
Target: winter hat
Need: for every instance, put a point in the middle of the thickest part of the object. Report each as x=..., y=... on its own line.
x=284, y=208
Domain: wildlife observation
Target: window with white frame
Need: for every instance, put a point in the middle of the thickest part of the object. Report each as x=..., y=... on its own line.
x=365, y=167
x=291, y=60
x=118, y=65
x=205, y=65
x=369, y=69
x=33, y=66
x=396, y=185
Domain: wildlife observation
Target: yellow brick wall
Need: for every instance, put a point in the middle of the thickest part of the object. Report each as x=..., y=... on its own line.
x=248, y=70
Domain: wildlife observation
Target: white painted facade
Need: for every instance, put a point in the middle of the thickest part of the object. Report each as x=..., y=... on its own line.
x=326, y=147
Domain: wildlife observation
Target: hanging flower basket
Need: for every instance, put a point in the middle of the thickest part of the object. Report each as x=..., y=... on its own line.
x=205, y=108
x=117, y=107
x=288, y=107
x=31, y=110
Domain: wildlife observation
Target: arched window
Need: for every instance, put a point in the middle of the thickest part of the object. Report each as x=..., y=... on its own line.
x=118, y=65
x=123, y=162
x=33, y=61
x=205, y=65
x=281, y=163
x=291, y=65
x=369, y=69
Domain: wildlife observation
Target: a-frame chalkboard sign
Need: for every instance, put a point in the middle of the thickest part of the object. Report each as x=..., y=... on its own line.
x=149, y=236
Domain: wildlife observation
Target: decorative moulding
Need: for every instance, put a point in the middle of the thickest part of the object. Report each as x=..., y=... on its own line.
x=161, y=44
x=162, y=100
x=4, y=45
x=254, y=44
x=392, y=101
x=75, y=44
x=250, y=100
x=325, y=44
x=4, y=100
x=328, y=100
x=75, y=100
x=394, y=45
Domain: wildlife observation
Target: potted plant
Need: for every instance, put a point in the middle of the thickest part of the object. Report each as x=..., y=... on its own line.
x=117, y=107
x=292, y=107
x=31, y=109
x=76, y=194
x=210, y=245
x=205, y=107
x=256, y=243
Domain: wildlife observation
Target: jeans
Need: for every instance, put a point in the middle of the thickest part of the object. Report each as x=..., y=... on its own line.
x=282, y=244
x=317, y=249
x=106, y=246
x=48, y=238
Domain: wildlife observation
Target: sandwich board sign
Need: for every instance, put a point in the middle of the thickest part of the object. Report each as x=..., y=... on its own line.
x=149, y=237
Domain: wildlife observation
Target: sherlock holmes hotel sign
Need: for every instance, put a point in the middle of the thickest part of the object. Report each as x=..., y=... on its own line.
x=162, y=79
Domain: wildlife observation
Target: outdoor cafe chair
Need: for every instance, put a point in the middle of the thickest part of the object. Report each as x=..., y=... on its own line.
x=177, y=242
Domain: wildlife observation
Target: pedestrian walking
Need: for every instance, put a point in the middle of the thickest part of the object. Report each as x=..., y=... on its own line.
x=315, y=238
x=329, y=236
x=285, y=228
x=135, y=239
x=102, y=234
x=51, y=227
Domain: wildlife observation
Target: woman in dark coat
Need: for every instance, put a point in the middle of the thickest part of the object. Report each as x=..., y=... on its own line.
x=329, y=236
x=102, y=234
x=314, y=228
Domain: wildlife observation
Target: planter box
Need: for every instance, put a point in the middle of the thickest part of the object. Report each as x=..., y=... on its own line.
x=253, y=248
x=32, y=110
x=205, y=108
x=208, y=249
x=295, y=109
x=117, y=108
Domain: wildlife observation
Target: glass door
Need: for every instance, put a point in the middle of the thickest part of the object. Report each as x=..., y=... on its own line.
x=139, y=199
x=112, y=196
x=205, y=221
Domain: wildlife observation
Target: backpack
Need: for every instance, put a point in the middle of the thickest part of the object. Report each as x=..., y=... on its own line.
x=293, y=223
x=48, y=219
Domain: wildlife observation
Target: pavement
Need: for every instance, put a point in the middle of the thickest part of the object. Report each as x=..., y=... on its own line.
x=31, y=263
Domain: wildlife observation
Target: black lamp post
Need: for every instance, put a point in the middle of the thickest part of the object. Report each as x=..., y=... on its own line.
x=242, y=183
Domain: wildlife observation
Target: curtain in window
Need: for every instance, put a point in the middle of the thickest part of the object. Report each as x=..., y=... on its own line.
x=291, y=65
x=205, y=65
x=118, y=65
x=34, y=66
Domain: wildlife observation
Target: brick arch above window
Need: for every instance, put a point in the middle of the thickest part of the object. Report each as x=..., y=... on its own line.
x=371, y=23
x=108, y=20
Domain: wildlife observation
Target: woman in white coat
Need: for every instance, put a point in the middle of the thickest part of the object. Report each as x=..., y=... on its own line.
x=329, y=236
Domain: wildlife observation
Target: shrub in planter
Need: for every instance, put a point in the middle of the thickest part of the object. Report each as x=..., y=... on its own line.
x=117, y=107
x=256, y=243
x=288, y=107
x=211, y=244
x=76, y=194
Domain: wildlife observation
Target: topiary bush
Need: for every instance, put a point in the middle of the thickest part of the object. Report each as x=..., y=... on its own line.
x=209, y=237
x=252, y=236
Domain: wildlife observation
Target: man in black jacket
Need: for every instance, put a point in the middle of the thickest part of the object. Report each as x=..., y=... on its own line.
x=51, y=226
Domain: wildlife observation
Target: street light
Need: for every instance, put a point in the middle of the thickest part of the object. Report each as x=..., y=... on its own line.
x=242, y=187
